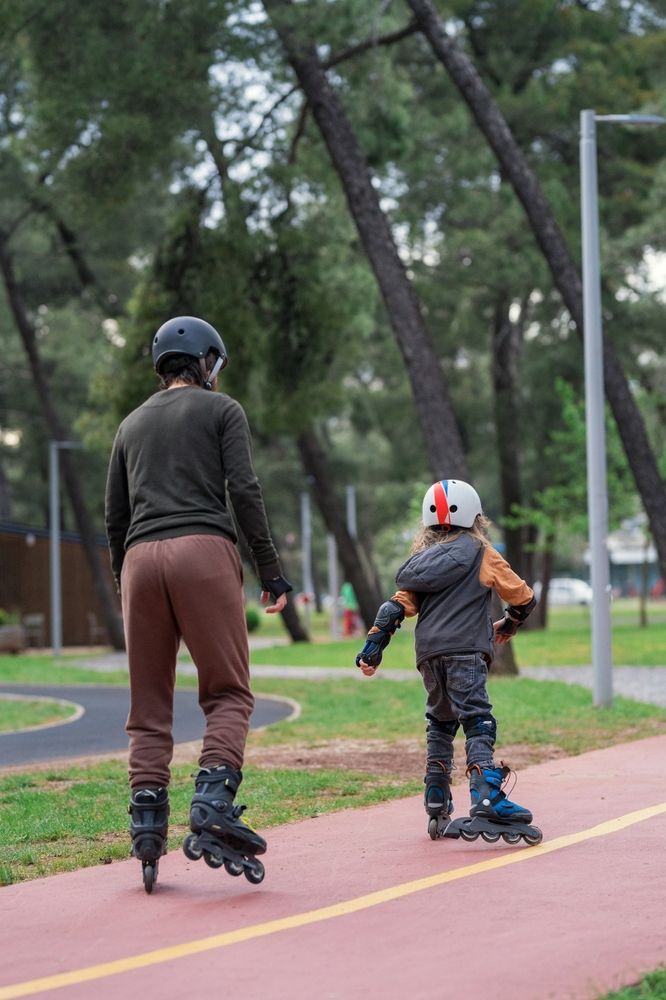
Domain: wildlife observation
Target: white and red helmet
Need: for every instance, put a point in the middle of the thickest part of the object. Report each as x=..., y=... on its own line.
x=451, y=503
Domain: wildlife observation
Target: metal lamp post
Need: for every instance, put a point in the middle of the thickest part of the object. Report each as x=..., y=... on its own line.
x=597, y=484
x=54, y=531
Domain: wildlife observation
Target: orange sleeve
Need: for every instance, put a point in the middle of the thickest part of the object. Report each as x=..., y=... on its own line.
x=496, y=573
x=406, y=598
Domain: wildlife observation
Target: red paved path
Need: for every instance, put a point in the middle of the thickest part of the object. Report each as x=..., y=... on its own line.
x=582, y=914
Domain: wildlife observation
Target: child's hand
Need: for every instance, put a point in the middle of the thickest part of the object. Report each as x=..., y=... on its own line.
x=365, y=668
x=370, y=657
x=504, y=630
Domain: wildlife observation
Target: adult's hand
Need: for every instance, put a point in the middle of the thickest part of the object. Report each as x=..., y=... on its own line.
x=280, y=602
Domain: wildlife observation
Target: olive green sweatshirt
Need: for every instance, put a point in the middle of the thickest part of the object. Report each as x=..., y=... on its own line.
x=173, y=461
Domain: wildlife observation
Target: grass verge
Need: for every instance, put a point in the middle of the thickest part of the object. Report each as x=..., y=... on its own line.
x=76, y=817
x=16, y=713
x=566, y=641
x=653, y=987
x=73, y=816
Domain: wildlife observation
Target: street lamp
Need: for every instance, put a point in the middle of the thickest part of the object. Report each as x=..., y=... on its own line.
x=597, y=485
x=54, y=518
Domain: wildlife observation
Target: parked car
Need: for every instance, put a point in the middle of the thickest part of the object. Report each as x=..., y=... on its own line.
x=566, y=590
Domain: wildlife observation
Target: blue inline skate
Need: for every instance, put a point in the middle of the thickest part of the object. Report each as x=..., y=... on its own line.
x=438, y=803
x=492, y=815
x=219, y=835
x=149, y=823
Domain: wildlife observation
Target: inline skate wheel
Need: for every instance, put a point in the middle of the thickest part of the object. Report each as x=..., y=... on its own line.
x=191, y=847
x=214, y=858
x=467, y=835
x=533, y=841
x=432, y=828
x=490, y=838
x=255, y=875
x=149, y=877
x=233, y=868
x=511, y=838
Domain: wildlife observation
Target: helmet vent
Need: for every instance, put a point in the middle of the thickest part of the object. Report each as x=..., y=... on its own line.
x=433, y=509
x=453, y=508
x=181, y=331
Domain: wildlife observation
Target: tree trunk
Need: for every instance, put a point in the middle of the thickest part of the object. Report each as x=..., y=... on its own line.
x=530, y=572
x=507, y=342
x=108, y=602
x=292, y=621
x=556, y=252
x=645, y=586
x=429, y=386
x=290, y=618
x=546, y=576
x=237, y=212
x=5, y=495
x=504, y=661
x=350, y=553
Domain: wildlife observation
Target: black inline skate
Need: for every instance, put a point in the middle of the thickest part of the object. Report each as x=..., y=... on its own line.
x=492, y=815
x=149, y=823
x=438, y=803
x=219, y=835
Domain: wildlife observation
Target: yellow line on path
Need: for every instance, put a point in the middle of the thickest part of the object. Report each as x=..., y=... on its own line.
x=91, y=972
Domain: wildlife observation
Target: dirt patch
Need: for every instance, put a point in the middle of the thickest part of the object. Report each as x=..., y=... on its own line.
x=183, y=753
x=403, y=759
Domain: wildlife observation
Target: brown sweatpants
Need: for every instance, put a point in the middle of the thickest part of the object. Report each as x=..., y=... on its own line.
x=189, y=588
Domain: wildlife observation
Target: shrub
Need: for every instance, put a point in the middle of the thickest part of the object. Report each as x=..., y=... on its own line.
x=252, y=618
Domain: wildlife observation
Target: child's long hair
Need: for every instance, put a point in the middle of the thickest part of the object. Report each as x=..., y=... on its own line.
x=440, y=535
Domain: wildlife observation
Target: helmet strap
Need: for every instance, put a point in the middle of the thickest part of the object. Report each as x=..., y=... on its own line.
x=212, y=374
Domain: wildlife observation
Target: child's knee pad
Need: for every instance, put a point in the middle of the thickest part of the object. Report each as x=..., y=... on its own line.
x=480, y=725
x=449, y=728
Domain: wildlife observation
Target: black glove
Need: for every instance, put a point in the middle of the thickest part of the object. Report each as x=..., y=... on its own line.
x=370, y=654
x=389, y=618
x=276, y=586
x=508, y=627
x=514, y=617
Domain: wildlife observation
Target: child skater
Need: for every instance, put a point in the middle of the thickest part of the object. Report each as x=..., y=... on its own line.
x=447, y=582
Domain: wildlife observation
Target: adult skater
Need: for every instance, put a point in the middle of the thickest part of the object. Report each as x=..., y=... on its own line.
x=447, y=581
x=175, y=560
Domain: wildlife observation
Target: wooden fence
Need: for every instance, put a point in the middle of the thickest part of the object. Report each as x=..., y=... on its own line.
x=25, y=586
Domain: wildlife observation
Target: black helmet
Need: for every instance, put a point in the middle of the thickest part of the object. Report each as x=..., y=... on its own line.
x=187, y=335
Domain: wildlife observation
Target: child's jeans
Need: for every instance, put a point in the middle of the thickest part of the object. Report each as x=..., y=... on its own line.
x=457, y=695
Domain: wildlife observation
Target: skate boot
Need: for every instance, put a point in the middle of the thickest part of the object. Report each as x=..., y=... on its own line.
x=149, y=822
x=492, y=815
x=438, y=803
x=218, y=832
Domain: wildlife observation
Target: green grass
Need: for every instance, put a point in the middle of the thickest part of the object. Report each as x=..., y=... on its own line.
x=538, y=713
x=566, y=642
x=76, y=817
x=558, y=646
x=653, y=987
x=20, y=714
x=73, y=817
x=45, y=669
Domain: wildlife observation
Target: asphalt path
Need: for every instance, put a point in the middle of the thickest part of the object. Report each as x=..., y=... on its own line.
x=100, y=728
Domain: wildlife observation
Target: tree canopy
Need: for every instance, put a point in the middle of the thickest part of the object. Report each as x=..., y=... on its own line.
x=162, y=158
